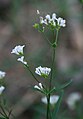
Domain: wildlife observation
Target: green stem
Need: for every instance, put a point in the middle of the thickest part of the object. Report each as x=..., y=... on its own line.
x=57, y=106
x=47, y=38
x=48, y=107
x=53, y=59
x=5, y=115
x=2, y=114
x=51, y=76
x=32, y=73
x=48, y=99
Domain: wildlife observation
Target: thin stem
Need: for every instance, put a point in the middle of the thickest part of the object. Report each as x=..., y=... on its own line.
x=53, y=59
x=10, y=113
x=32, y=73
x=48, y=99
x=56, y=35
x=3, y=111
x=51, y=76
x=35, y=77
x=2, y=114
x=47, y=38
x=48, y=107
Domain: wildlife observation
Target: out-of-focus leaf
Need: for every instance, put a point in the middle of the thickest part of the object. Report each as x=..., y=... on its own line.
x=2, y=118
x=81, y=1
x=66, y=84
x=16, y=5
x=57, y=106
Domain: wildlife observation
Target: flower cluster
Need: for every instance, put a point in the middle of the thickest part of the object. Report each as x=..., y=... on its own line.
x=43, y=71
x=51, y=21
x=53, y=99
x=18, y=50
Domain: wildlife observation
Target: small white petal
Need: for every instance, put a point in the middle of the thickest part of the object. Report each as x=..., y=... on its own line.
x=48, y=17
x=54, y=16
x=40, y=87
x=37, y=87
x=41, y=20
x=58, y=20
x=61, y=22
x=38, y=12
x=2, y=74
x=1, y=89
x=40, y=84
x=22, y=60
x=38, y=71
x=45, y=21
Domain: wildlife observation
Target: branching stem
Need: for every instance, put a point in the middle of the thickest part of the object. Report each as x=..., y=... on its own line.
x=51, y=76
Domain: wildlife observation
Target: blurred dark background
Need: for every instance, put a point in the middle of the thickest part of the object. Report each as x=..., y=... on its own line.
x=17, y=18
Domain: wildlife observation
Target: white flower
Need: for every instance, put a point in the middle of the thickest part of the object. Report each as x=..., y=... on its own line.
x=48, y=17
x=43, y=71
x=21, y=59
x=18, y=50
x=72, y=99
x=40, y=87
x=43, y=21
x=2, y=74
x=53, y=99
x=61, y=22
x=54, y=16
x=38, y=12
x=1, y=89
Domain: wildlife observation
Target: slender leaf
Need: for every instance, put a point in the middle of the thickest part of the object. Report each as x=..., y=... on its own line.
x=66, y=84
x=2, y=118
x=52, y=90
x=62, y=87
x=57, y=106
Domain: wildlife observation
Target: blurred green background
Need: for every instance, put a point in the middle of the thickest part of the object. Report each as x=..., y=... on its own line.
x=17, y=18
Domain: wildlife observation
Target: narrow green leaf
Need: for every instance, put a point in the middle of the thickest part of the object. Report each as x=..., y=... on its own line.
x=2, y=118
x=52, y=90
x=66, y=84
x=61, y=88
x=57, y=106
